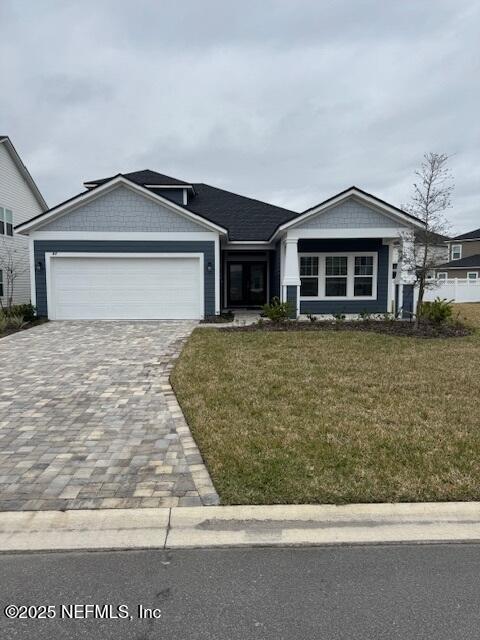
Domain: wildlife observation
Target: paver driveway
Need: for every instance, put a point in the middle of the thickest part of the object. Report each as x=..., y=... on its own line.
x=88, y=419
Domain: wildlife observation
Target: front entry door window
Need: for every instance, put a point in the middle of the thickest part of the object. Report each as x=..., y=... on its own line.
x=247, y=283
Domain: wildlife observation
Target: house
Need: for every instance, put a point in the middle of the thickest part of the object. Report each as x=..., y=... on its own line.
x=20, y=200
x=464, y=258
x=147, y=246
x=434, y=243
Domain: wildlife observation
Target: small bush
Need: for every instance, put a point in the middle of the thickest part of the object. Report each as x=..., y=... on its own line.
x=278, y=311
x=438, y=312
x=26, y=311
x=3, y=323
x=312, y=317
x=366, y=316
x=15, y=322
x=339, y=317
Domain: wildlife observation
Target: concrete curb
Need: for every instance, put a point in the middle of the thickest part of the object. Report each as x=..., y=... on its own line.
x=244, y=526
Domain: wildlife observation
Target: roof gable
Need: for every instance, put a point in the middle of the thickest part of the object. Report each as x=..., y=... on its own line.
x=5, y=140
x=122, y=209
x=387, y=211
x=90, y=195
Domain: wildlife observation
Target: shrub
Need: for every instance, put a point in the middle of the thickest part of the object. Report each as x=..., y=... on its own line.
x=26, y=311
x=439, y=311
x=339, y=317
x=312, y=317
x=278, y=311
x=3, y=323
x=15, y=322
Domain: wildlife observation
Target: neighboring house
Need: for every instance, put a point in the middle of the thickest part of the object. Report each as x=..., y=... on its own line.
x=437, y=252
x=143, y=245
x=463, y=256
x=20, y=200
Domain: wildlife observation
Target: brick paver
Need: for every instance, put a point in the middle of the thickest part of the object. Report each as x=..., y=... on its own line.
x=88, y=419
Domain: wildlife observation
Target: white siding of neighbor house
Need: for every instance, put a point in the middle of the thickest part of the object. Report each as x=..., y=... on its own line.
x=122, y=209
x=350, y=214
x=15, y=194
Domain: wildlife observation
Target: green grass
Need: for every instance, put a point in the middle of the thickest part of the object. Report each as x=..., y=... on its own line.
x=333, y=417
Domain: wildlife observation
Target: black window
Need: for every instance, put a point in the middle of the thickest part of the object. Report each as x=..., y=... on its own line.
x=335, y=286
x=363, y=276
x=336, y=270
x=309, y=286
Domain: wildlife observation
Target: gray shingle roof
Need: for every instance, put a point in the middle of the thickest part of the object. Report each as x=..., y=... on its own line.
x=470, y=235
x=462, y=263
x=145, y=176
x=245, y=218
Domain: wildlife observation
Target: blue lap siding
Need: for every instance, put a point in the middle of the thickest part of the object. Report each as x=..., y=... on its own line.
x=350, y=306
x=124, y=246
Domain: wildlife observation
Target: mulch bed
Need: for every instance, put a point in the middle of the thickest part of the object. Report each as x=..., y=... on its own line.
x=390, y=327
x=28, y=325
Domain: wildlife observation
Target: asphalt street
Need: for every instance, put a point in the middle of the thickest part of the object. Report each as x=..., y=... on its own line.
x=355, y=593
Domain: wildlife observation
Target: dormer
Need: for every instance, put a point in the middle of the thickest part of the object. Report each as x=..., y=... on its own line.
x=176, y=190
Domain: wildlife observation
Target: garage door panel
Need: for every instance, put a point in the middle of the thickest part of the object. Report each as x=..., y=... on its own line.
x=125, y=288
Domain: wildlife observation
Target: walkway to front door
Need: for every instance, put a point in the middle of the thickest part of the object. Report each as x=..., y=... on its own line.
x=246, y=284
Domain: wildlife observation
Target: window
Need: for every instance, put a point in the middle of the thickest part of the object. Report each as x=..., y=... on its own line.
x=6, y=222
x=472, y=275
x=363, y=276
x=336, y=272
x=350, y=275
x=456, y=251
x=1, y=283
x=442, y=275
x=394, y=270
x=309, y=276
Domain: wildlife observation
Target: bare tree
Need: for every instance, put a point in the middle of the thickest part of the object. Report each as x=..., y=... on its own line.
x=431, y=197
x=12, y=269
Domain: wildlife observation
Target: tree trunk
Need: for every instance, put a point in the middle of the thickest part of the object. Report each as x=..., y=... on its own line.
x=421, y=291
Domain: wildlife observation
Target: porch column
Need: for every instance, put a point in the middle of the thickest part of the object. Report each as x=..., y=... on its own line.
x=291, y=275
x=406, y=275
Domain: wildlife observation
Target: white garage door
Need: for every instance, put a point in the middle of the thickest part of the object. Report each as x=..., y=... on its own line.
x=125, y=287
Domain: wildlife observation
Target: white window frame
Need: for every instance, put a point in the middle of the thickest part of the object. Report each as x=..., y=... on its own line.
x=472, y=273
x=3, y=218
x=456, y=246
x=350, y=255
x=442, y=275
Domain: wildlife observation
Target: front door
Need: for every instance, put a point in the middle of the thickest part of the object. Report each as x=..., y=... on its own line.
x=247, y=284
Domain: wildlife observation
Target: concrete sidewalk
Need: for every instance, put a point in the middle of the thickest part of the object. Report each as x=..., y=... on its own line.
x=249, y=526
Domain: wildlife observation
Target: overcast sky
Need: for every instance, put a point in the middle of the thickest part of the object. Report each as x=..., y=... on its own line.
x=289, y=101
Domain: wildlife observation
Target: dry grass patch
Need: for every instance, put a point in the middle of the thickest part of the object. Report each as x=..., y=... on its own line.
x=469, y=313
x=330, y=417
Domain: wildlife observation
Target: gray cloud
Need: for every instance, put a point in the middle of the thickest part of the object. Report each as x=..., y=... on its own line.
x=288, y=101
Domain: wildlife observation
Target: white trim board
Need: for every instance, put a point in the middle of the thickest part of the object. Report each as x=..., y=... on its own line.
x=125, y=235
x=88, y=196
x=332, y=234
x=53, y=255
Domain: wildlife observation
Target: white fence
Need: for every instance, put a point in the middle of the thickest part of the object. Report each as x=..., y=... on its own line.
x=458, y=289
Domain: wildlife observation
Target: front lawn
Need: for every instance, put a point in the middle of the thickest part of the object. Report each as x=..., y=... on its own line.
x=333, y=417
